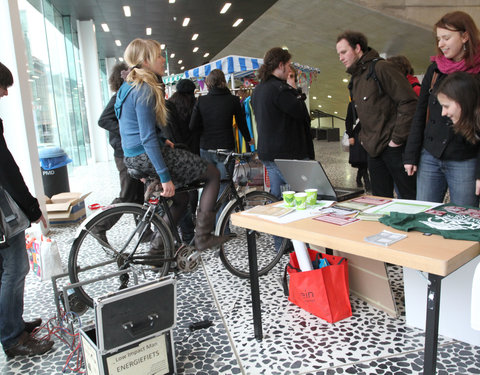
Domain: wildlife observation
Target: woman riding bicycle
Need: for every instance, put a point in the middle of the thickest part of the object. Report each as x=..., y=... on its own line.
x=141, y=111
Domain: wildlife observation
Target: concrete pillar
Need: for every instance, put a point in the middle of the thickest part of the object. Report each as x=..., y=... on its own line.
x=16, y=109
x=93, y=91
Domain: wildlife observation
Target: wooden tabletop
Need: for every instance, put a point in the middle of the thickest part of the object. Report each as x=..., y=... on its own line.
x=432, y=254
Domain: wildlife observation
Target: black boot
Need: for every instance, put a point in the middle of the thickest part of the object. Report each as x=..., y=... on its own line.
x=204, y=239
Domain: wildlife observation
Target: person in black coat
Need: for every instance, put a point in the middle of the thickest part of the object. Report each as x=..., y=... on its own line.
x=131, y=189
x=14, y=264
x=213, y=117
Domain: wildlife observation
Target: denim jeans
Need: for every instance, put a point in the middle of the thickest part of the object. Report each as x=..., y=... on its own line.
x=13, y=269
x=434, y=176
x=387, y=171
x=276, y=178
x=218, y=160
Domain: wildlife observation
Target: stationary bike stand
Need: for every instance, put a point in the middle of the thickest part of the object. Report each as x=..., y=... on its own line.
x=68, y=287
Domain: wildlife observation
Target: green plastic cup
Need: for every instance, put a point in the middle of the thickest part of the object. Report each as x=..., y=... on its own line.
x=311, y=196
x=301, y=201
x=288, y=198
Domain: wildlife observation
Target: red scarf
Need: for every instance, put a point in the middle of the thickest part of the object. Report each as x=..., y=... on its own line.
x=448, y=66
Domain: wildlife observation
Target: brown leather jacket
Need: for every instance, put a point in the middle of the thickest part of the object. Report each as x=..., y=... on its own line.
x=385, y=112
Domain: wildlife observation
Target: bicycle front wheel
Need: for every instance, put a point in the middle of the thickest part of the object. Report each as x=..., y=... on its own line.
x=105, y=245
x=234, y=253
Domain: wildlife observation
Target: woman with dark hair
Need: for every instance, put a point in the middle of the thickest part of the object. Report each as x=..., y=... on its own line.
x=459, y=96
x=441, y=157
x=131, y=189
x=141, y=111
x=213, y=116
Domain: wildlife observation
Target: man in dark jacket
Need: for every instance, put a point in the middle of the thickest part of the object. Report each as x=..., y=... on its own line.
x=14, y=265
x=280, y=116
x=385, y=104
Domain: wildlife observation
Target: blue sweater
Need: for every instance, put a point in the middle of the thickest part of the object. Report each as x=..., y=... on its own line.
x=135, y=111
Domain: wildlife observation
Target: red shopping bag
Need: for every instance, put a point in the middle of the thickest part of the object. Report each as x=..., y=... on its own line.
x=323, y=292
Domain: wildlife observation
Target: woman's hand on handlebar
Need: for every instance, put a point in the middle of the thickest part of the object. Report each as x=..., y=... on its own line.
x=168, y=189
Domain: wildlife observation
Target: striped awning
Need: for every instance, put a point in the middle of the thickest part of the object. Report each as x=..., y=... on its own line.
x=239, y=66
x=173, y=78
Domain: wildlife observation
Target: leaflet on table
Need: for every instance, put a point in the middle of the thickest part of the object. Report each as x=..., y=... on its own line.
x=385, y=238
x=363, y=203
x=402, y=205
x=292, y=215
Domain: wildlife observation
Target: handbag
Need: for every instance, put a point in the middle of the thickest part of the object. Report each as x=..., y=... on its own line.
x=324, y=292
x=12, y=219
x=43, y=255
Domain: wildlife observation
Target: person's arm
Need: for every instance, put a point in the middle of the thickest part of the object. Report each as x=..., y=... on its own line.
x=241, y=119
x=12, y=180
x=108, y=120
x=288, y=102
x=397, y=87
x=196, y=123
x=148, y=133
x=414, y=144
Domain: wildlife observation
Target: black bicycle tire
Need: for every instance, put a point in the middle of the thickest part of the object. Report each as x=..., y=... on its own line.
x=123, y=209
x=236, y=207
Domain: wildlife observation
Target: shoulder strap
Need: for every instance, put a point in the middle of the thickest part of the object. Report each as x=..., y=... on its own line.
x=373, y=74
x=432, y=83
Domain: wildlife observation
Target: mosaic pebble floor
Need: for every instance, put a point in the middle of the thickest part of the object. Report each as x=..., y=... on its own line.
x=295, y=342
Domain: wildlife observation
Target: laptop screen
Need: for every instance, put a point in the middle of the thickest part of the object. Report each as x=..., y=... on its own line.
x=306, y=174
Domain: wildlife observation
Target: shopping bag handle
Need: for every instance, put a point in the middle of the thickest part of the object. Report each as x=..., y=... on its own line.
x=320, y=255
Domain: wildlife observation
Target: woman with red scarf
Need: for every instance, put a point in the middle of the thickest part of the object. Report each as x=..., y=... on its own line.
x=442, y=158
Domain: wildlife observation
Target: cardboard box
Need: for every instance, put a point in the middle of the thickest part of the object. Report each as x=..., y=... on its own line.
x=66, y=208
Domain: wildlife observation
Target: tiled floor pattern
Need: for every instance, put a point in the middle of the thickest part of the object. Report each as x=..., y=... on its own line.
x=295, y=342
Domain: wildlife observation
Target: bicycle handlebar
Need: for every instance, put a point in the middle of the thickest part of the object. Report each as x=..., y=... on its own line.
x=229, y=154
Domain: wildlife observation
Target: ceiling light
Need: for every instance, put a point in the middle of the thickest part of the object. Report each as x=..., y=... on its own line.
x=238, y=22
x=195, y=49
x=172, y=55
x=171, y=1
x=314, y=98
x=206, y=55
x=225, y=8
x=329, y=96
x=185, y=21
x=120, y=59
x=336, y=112
x=345, y=80
x=126, y=10
x=195, y=36
x=105, y=27
x=285, y=48
x=148, y=31
x=162, y=46
x=180, y=61
x=319, y=106
x=182, y=67
x=118, y=43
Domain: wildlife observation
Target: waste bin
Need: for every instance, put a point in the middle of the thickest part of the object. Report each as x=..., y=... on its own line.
x=53, y=162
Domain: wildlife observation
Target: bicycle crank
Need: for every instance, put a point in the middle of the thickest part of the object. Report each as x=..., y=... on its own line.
x=187, y=258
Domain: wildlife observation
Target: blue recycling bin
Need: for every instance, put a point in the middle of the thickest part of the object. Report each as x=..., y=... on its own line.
x=53, y=163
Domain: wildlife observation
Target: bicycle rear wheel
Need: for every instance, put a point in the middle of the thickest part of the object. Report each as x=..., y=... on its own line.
x=92, y=256
x=234, y=253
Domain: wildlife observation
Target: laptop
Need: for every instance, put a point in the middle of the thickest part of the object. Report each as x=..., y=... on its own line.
x=309, y=174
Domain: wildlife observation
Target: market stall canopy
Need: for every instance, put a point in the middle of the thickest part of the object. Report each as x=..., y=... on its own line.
x=240, y=66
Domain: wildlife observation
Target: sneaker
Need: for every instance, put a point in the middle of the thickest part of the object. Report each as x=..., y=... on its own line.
x=29, y=346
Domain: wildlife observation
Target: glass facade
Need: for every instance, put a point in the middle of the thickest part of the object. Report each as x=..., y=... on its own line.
x=55, y=79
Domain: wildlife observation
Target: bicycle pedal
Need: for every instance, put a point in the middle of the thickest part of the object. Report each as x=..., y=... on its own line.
x=194, y=256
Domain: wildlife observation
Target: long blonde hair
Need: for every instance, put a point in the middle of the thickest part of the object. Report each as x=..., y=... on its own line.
x=136, y=54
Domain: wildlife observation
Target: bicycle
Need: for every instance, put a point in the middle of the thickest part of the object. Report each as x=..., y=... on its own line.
x=127, y=245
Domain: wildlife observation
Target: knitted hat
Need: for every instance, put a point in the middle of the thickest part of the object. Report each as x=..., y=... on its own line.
x=185, y=86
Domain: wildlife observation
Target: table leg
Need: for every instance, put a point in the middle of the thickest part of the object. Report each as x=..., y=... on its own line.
x=254, y=285
x=431, y=327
